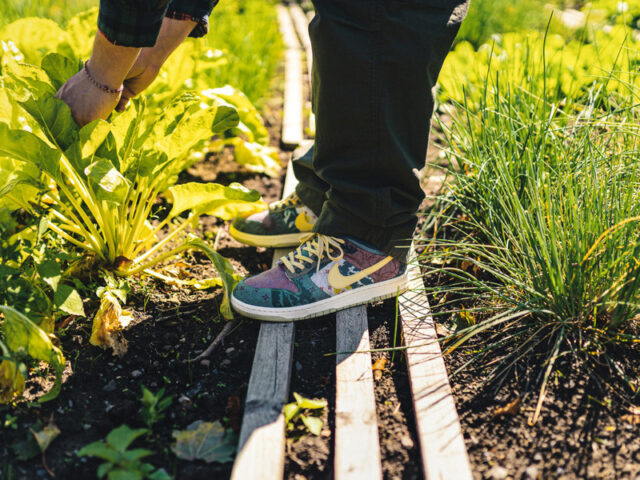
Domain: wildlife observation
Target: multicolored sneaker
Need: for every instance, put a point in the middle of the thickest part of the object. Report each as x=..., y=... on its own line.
x=323, y=275
x=285, y=224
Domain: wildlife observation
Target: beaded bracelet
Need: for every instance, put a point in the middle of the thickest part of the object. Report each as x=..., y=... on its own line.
x=102, y=87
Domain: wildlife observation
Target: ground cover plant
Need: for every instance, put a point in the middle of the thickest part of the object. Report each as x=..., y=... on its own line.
x=95, y=190
x=536, y=231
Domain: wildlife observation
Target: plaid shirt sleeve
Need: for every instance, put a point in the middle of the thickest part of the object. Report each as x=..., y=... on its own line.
x=194, y=10
x=136, y=23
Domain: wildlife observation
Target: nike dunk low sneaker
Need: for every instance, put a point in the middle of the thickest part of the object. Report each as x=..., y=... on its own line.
x=323, y=275
x=283, y=225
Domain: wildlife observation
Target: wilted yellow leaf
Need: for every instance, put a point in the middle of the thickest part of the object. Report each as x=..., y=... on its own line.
x=11, y=381
x=107, y=325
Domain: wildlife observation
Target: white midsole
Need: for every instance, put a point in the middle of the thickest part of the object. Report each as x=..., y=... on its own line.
x=268, y=241
x=357, y=296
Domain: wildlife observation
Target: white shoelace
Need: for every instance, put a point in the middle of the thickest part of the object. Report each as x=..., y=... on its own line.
x=313, y=244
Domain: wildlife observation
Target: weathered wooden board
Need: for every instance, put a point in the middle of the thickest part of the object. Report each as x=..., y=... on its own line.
x=357, y=446
x=442, y=447
x=292, y=124
x=261, y=449
x=301, y=24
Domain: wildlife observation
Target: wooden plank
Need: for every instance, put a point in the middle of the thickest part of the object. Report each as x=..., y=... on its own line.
x=261, y=449
x=357, y=449
x=442, y=447
x=301, y=24
x=292, y=124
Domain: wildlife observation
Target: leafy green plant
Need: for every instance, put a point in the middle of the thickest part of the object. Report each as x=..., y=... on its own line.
x=122, y=462
x=304, y=410
x=22, y=338
x=153, y=405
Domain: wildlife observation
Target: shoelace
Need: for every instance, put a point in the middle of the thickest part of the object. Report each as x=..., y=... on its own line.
x=291, y=201
x=313, y=244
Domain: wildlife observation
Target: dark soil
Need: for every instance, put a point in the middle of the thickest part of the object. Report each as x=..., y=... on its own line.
x=582, y=432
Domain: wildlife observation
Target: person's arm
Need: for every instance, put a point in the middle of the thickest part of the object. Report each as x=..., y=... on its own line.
x=123, y=29
x=146, y=68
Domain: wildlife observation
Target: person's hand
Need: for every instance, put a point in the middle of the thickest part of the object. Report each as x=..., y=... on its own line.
x=86, y=101
x=141, y=75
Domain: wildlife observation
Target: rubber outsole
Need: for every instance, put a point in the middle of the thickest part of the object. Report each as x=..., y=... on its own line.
x=267, y=241
x=351, y=298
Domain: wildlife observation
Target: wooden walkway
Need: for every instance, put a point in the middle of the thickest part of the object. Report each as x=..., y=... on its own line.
x=261, y=449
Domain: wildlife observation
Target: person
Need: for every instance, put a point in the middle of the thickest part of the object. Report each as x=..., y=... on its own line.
x=354, y=210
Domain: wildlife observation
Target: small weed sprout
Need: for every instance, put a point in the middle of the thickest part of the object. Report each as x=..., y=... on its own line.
x=153, y=405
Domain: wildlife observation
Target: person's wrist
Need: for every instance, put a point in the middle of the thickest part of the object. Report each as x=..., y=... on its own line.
x=102, y=75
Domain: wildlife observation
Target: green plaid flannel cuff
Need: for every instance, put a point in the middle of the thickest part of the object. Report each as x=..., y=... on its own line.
x=194, y=10
x=131, y=23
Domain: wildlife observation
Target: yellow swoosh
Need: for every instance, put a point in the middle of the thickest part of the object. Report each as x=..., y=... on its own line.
x=303, y=222
x=339, y=281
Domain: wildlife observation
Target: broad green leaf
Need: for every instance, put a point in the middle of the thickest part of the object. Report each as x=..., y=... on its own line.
x=226, y=118
x=256, y=157
x=225, y=202
x=100, y=450
x=308, y=403
x=80, y=32
x=207, y=441
x=26, y=81
x=225, y=270
x=107, y=182
x=54, y=118
x=120, y=474
x=247, y=112
x=314, y=424
x=90, y=138
x=27, y=147
x=47, y=435
x=192, y=129
x=10, y=111
x=136, y=454
x=50, y=273
x=67, y=299
x=59, y=68
x=120, y=438
x=35, y=37
x=22, y=333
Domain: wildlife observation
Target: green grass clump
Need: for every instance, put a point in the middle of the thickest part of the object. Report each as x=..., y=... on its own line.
x=537, y=232
x=247, y=31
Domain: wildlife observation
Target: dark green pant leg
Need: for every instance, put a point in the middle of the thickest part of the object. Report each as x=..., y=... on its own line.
x=375, y=63
x=311, y=189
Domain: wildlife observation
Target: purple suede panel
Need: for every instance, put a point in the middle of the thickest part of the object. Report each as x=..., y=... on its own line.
x=273, y=278
x=362, y=259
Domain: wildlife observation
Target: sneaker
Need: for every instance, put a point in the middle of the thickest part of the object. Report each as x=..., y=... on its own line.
x=323, y=275
x=283, y=225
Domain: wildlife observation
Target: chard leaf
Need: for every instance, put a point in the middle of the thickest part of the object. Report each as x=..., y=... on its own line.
x=35, y=37
x=196, y=127
x=54, y=118
x=90, y=138
x=251, y=121
x=22, y=333
x=25, y=80
x=59, y=68
x=10, y=112
x=80, y=32
x=225, y=270
x=68, y=300
x=107, y=325
x=27, y=147
x=107, y=182
x=256, y=157
x=213, y=199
